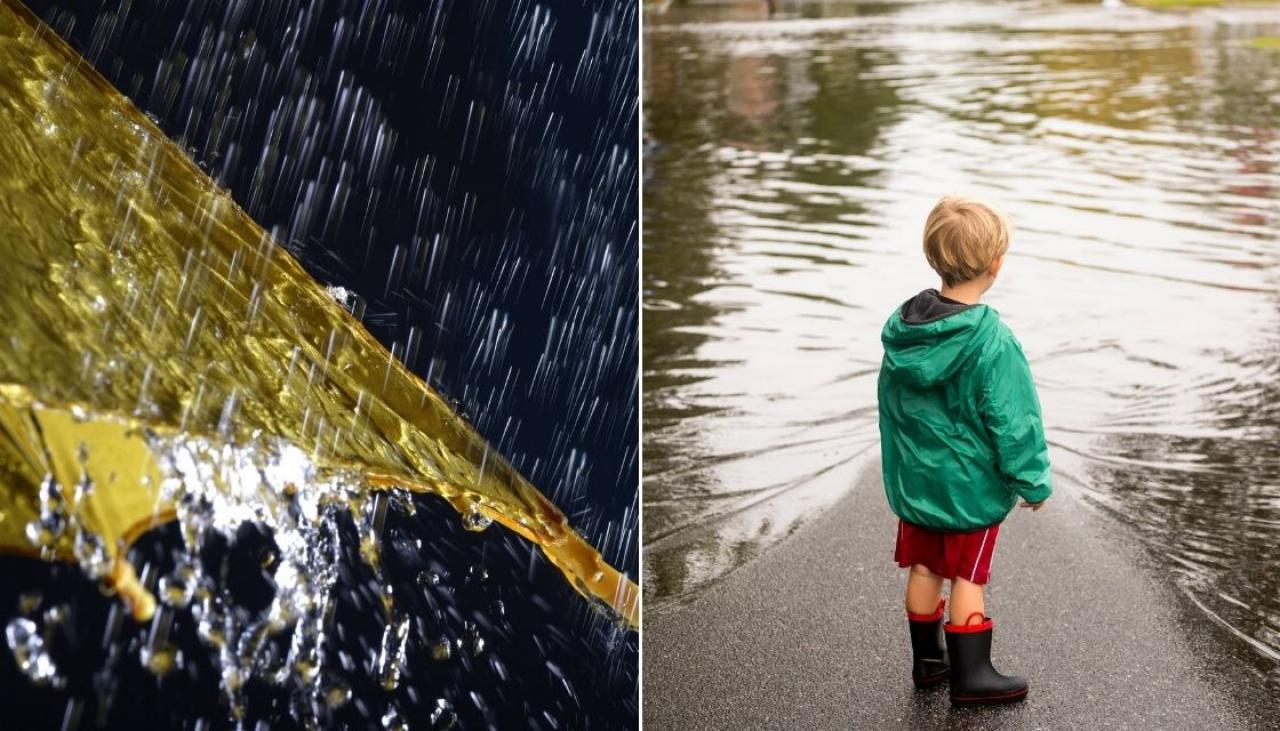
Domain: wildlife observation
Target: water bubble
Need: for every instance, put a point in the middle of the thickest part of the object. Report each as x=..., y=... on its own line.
x=475, y=520
x=212, y=622
x=392, y=720
x=84, y=488
x=91, y=554
x=442, y=716
x=159, y=654
x=178, y=588
x=45, y=531
x=27, y=646
x=161, y=659
x=474, y=640
x=442, y=650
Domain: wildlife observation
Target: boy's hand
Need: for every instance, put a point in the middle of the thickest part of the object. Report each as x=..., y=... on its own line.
x=1034, y=506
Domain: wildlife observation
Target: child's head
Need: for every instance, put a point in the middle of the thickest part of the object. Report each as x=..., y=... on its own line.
x=965, y=239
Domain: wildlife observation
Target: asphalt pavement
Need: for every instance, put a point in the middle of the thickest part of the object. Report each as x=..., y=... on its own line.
x=812, y=635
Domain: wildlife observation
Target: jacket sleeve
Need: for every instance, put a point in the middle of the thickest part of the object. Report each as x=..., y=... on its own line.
x=1010, y=410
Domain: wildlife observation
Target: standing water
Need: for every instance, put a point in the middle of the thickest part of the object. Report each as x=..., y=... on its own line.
x=790, y=159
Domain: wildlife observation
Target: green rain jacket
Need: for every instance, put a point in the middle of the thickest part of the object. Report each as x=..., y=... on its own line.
x=960, y=430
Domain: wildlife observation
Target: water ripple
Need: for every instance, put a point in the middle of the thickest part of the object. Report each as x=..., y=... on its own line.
x=790, y=162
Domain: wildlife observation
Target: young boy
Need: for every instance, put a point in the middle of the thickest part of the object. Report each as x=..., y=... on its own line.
x=961, y=439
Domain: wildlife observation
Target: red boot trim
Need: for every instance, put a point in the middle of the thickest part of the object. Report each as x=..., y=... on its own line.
x=937, y=614
x=985, y=700
x=966, y=627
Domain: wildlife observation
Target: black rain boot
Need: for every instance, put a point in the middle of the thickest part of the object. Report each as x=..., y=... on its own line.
x=929, y=664
x=973, y=680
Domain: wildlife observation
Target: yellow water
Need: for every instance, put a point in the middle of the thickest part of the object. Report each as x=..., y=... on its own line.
x=140, y=306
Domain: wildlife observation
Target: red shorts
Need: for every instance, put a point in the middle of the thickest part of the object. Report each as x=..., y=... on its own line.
x=950, y=554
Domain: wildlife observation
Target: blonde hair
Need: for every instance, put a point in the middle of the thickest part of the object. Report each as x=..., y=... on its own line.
x=962, y=237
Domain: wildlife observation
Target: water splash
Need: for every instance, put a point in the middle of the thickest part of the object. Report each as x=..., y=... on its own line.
x=213, y=326
x=28, y=647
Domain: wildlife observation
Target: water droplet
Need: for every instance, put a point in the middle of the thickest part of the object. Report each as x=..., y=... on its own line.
x=391, y=658
x=474, y=640
x=45, y=531
x=179, y=587
x=161, y=659
x=91, y=554
x=442, y=650
x=475, y=520
x=30, y=654
x=392, y=720
x=442, y=716
x=212, y=622
x=159, y=654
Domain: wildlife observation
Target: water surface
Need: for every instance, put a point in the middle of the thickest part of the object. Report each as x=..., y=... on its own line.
x=790, y=161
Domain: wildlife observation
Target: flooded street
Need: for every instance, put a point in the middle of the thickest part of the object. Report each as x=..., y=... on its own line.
x=789, y=164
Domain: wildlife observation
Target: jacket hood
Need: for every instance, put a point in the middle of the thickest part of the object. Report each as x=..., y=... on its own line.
x=929, y=337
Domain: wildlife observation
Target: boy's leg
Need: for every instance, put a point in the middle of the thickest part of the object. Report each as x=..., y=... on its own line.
x=974, y=680
x=929, y=664
x=924, y=590
x=966, y=598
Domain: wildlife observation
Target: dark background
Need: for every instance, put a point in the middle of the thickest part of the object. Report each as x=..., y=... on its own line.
x=469, y=169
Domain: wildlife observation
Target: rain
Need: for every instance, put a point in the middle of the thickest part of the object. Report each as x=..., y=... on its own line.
x=461, y=179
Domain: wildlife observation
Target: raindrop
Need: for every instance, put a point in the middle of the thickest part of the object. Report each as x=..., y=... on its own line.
x=392, y=720
x=442, y=650
x=391, y=658
x=91, y=554
x=179, y=587
x=159, y=654
x=212, y=622
x=442, y=716
x=30, y=654
x=45, y=531
x=475, y=520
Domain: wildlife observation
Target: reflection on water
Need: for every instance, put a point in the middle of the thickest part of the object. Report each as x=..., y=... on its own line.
x=790, y=162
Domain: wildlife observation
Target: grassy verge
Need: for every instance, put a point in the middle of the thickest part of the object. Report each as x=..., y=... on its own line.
x=1190, y=4
x=1265, y=43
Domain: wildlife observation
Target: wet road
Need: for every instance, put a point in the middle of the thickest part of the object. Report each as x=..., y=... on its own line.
x=790, y=162
x=813, y=636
